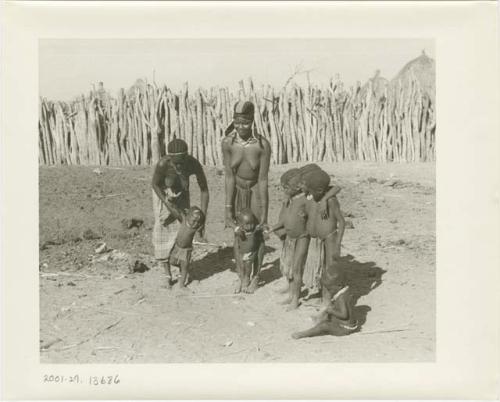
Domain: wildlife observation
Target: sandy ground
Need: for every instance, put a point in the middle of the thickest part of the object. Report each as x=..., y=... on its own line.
x=94, y=310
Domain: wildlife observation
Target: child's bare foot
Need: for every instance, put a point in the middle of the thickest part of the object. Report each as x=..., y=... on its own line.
x=244, y=285
x=167, y=283
x=237, y=288
x=286, y=301
x=294, y=304
x=182, y=290
x=282, y=289
x=254, y=284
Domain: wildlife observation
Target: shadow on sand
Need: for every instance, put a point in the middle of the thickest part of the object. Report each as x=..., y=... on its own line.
x=362, y=278
x=223, y=259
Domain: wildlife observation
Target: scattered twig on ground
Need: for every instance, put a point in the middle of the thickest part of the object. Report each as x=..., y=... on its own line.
x=45, y=347
x=382, y=331
x=139, y=301
x=113, y=195
x=110, y=310
x=51, y=274
x=378, y=331
x=206, y=295
x=115, y=323
x=106, y=348
x=121, y=290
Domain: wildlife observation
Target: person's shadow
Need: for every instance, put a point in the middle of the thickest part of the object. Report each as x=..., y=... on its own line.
x=270, y=271
x=212, y=263
x=223, y=259
x=362, y=278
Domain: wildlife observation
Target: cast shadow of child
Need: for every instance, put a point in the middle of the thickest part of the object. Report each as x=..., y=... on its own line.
x=362, y=278
x=223, y=259
x=270, y=271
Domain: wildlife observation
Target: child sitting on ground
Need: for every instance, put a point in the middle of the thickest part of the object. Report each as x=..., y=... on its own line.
x=336, y=319
x=250, y=256
x=180, y=255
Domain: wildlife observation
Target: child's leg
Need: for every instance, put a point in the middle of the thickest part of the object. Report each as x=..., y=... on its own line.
x=323, y=328
x=285, y=286
x=184, y=272
x=245, y=274
x=256, y=265
x=239, y=264
x=168, y=275
x=332, y=278
x=299, y=260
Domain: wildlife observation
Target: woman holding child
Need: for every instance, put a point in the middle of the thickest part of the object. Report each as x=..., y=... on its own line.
x=170, y=185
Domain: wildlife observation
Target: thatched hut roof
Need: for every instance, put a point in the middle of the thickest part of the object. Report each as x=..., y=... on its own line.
x=423, y=69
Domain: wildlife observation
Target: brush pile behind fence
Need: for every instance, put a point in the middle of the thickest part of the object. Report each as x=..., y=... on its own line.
x=369, y=123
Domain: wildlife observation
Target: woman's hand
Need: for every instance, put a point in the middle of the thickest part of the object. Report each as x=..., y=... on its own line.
x=229, y=221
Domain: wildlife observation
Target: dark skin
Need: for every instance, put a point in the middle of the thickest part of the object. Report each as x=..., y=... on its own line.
x=294, y=221
x=249, y=238
x=297, y=222
x=181, y=164
x=325, y=230
x=191, y=222
x=330, y=320
x=246, y=165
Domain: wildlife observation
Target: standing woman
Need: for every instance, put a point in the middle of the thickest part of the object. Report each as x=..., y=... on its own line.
x=246, y=157
x=183, y=166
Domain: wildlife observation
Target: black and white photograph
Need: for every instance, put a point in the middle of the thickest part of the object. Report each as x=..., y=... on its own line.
x=249, y=200
x=237, y=200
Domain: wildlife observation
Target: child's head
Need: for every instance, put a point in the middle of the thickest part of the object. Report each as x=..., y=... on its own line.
x=316, y=183
x=195, y=217
x=170, y=178
x=247, y=220
x=306, y=169
x=290, y=181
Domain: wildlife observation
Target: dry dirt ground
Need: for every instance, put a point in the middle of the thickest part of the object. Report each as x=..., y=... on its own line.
x=94, y=310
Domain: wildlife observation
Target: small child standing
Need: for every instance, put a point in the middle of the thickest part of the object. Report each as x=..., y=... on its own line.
x=293, y=219
x=280, y=231
x=180, y=254
x=250, y=255
x=328, y=232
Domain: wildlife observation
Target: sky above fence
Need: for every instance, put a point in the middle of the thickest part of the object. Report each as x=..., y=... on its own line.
x=69, y=67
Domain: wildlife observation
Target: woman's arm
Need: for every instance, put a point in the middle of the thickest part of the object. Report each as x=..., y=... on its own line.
x=204, y=194
x=157, y=184
x=265, y=160
x=201, y=178
x=334, y=207
x=229, y=183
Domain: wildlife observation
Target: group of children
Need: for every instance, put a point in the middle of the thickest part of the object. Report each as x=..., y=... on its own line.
x=311, y=227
